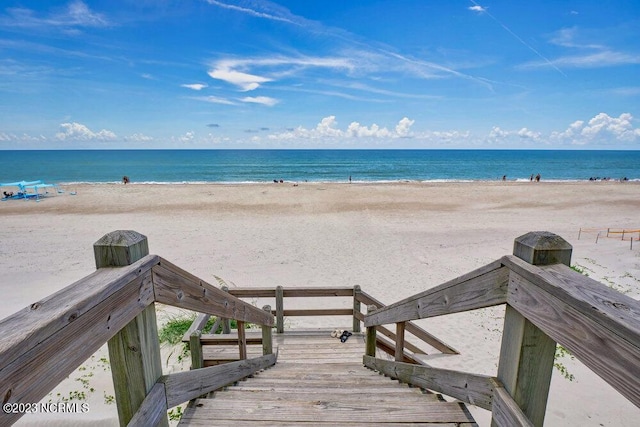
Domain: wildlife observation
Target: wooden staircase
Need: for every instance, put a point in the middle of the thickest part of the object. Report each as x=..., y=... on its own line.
x=318, y=380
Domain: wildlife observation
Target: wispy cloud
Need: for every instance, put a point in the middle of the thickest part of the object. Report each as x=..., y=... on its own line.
x=240, y=72
x=519, y=39
x=590, y=55
x=264, y=100
x=76, y=14
x=214, y=100
x=279, y=14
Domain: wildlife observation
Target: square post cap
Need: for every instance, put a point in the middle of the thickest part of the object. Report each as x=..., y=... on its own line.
x=120, y=248
x=542, y=248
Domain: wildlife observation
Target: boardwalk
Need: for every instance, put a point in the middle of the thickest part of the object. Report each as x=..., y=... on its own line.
x=320, y=381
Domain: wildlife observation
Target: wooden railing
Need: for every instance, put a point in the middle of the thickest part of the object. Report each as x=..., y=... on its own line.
x=44, y=343
x=197, y=336
x=547, y=303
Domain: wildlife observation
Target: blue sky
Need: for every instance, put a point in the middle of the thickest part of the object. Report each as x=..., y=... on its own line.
x=319, y=74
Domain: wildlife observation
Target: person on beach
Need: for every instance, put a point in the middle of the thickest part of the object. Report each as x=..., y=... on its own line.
x=125, y=179
x=504, y=177
x=538, y=178
x=349, y=179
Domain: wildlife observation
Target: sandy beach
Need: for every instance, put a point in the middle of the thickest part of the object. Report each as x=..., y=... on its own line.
x=393, y=240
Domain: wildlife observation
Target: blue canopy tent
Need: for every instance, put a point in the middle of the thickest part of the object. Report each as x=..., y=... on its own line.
x=26, y=190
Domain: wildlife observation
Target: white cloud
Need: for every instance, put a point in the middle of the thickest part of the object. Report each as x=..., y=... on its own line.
x=403, y=127
x=328, y=129
x=528, y=134
x=79, y=132
x=238, y=72
x=497, y=133
x=477, y=8
x=138, y=137
x=187, y=137
x=194, y=86
x=245, y=81
x=602, y=129
x=264, y=100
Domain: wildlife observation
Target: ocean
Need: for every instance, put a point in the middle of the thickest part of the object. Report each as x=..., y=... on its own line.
x=248, y=166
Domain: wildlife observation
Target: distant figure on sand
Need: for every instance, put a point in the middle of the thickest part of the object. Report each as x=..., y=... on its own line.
x=504, y=177
x=125, y=179
x=349, y=179
x=531, y=178
x=538, y=178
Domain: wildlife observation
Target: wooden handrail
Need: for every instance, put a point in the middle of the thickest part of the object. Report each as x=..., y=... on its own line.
x=44, y=343
x=598, y=325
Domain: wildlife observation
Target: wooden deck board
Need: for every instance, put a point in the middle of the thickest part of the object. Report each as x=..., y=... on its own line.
x=320, y=381
x=331, y=411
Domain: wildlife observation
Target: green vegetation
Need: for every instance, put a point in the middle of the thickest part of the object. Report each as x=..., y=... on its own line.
x=562, y=352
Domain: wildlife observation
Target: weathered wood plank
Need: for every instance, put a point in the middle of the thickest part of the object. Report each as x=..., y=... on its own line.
x=30, y=326
x=318, y=292
x=279, y=312
x=176, y=287
x=470, y=388
x=615, y=311
x=79, y=329
x=505, y=411
x=253, y=292
x=292, y=292
x=399, y=342
x=484, y=287
x=319, y=312
x=189, y=420
x=198, y=325
x=253, y=388
x=187, y=385
x=390, y=348
x=195, y=346
x=253, y=338
x=253, y=398
x=136, y=364
x=610, y=355
x=338, y=412
x=153, y=410
x=410, y=327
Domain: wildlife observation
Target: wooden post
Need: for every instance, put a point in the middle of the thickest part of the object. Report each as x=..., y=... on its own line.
x=195, y=346
x=226, y=323
x=279, y=309
x=527, y=354
x=134, y=351
x=371, y=335
x=242, y=340
x=267, y=337
x=356, y=307
x=400, y=341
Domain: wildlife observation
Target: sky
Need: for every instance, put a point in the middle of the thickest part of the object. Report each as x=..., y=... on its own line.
x=333, y=74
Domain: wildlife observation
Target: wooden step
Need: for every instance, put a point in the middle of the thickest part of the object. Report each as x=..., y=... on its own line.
x=357, y=395
x=322, y=411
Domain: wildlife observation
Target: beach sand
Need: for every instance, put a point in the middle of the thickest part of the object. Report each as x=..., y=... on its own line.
x=393, y=240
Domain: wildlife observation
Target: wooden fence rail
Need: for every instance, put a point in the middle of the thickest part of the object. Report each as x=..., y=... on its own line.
x=546, y=303
x=279, y=294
